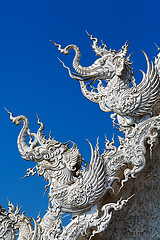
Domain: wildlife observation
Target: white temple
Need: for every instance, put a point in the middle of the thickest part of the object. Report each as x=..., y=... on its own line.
x=115, y=196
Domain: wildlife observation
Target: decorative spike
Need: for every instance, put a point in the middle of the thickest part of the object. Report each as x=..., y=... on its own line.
x=77, y=78
x=57, y=45
x=50, y=137
x=65, y=51
x=11, y=114
x=104, y=45
x=113, y=139
x=97, y=145
x=157, y=47
x=23, y=213
x=39, y=219
x=128, y=58
x=11, y=207
x=125, y=48
x=38, y=118
x=88, y=33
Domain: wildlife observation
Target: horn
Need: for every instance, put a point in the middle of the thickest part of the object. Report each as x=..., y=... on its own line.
x=125, y=48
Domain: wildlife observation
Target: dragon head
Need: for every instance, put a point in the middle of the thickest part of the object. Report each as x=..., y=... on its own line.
x=109, y=63
x=53, y=157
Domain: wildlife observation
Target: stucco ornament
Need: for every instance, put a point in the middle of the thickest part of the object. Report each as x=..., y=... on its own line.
x=116, y=90
x=74, y=185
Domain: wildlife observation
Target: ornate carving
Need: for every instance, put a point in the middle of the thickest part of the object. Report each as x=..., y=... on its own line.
x=71, y=189
x=76, y=190
x=114, y=75
x=90, y=191
x=139, y=219
x=13, y=224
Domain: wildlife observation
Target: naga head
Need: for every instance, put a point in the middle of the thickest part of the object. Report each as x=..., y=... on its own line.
x=109, y=63
x=51, y=155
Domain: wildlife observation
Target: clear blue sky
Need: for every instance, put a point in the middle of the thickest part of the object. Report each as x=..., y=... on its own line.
x=34, y=81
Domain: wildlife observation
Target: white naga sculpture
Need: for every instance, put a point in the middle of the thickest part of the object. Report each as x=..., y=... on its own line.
x=76, y=186
x=114, y=75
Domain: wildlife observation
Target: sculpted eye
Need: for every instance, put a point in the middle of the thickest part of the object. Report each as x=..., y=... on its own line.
x=119, y=62
x=102, y=62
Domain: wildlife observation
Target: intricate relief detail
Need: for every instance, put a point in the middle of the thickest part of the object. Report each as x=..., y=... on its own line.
x=132, y=149
x=71, y=189
x=75, y=189
x=116, y=90
x=91, y=219
x=13, y=224
x=140, y=218
x=76, y=186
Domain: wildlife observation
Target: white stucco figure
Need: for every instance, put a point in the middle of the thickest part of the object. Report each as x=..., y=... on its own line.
x=79, y=186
